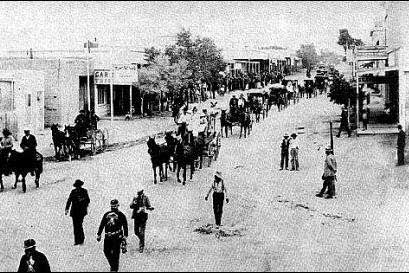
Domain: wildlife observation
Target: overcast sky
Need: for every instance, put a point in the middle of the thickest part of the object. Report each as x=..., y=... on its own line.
x=67, y=25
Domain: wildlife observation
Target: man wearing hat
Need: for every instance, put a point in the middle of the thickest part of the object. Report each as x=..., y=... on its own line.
x=139, y=205
x=284, y=152
x=294, y=152
x=329, y=175
x=29, y=144
x=116, y=231
x=344, y=122
x=79, y=201
x=219, y=193
x=33, y=260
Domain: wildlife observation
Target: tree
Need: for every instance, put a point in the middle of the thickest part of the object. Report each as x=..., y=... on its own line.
x=151, y=54
x=347, y=41
x=204, y=58
x=342, y=91
x=308, y=55
x=161, y=78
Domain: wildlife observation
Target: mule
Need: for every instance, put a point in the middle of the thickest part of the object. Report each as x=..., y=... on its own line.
x=160, y=154
x=20, y=164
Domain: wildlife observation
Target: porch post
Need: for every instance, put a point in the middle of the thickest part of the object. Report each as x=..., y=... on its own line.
x=112, y=94
x=130, y=99
x=95, y=98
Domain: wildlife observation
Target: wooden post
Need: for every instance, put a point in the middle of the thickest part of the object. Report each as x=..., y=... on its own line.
x=112, y=94
x=130, y=100
x=331, y=136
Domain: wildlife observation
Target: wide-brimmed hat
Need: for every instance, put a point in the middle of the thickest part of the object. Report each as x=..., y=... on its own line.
x=78, y=183
x=218, y=174
x=114, y=203
x=286, y=135
x=30, y=243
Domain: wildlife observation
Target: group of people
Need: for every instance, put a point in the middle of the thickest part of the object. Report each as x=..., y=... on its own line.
x=28, y=144
x=114, y=224
x=289, y=147
x=195, y=122
x=86, y=120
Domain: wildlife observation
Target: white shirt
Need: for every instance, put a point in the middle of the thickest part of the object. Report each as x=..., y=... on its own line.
x=293, y=143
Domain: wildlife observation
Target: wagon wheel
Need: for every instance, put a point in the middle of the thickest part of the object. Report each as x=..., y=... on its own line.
x=99, y=141
x=93, y=142
x=105, y=134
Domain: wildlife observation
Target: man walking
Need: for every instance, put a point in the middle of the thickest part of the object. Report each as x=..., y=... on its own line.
x=329, y=176
x=294, y=152
x=401, y=146
x=79, y=201
x=219, y=193
x=344, y=122
x=139, y=205
x=33, y=260
x=284, y=152
x=116, y=231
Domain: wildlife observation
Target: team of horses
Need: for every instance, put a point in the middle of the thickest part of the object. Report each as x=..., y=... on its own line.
x=181, y=150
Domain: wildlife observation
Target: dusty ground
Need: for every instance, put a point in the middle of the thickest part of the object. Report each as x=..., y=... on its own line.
x=277, y=222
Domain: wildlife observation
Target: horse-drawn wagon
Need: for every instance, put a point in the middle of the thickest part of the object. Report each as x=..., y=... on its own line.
x=72, y=142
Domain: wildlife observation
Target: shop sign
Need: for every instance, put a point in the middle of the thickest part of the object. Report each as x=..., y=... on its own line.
x=122, y=75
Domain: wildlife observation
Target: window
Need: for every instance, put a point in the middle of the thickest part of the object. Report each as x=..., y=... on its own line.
x=101, y=96
x=28, y=100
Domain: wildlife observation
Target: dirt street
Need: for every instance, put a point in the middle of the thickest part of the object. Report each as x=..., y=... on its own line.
x=275, y=221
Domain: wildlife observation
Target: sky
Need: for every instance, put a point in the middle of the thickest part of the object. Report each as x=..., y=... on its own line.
x=232, y=25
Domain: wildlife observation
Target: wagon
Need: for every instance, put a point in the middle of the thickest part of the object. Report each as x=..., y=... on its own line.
x=95, y=140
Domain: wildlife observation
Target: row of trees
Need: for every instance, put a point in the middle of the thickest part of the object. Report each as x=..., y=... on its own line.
x=182, y=66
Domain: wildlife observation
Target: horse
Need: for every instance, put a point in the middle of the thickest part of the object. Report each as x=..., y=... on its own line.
x=59, y=141
x=171, y=143
x=72, y=141
x=243, y=119
x=185, y=154
x=225, y=123
x=20, y=164
x=160, y=154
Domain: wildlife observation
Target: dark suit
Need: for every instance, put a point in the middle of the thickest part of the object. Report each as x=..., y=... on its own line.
x=29, y=145
x=140, y=218
x=284, y=153
x=79, y=201
x=401, y=147
x=40, y=263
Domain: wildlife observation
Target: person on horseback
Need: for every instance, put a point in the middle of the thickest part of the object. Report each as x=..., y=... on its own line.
x=81, y=123
x=6, y=144
x=29, y=144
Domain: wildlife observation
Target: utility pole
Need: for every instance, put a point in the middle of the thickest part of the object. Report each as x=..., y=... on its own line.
x=88, y=87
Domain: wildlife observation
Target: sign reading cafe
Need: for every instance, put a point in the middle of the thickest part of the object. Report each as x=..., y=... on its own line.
x=122, y=75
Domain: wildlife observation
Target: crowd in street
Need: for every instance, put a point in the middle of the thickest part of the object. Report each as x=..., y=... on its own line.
x=114, y=223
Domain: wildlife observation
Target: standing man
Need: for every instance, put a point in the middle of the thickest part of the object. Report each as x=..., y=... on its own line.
x=344, y=122
x=219, y=193
x=33, y=260
x=116, y=231
x=401, y=146
x=29, y=144
x=139, y=205
x=285, y=144
x=294, y=152
x=79, y=201
x=329, y=176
